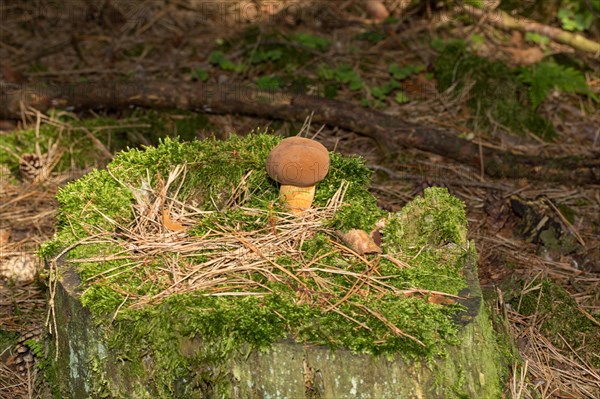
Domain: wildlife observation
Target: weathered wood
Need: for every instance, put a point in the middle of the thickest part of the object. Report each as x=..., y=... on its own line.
x=88, y=368
x=390, y=133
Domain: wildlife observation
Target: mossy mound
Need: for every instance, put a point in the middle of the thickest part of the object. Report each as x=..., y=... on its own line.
x=183, y=342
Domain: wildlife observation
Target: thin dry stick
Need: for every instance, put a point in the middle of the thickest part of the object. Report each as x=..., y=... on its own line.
x=505, y=21
x=392, y=327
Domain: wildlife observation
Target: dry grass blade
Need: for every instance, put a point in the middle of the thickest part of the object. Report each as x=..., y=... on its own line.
x=552, y=372
x=229, y=261
x=392, y=327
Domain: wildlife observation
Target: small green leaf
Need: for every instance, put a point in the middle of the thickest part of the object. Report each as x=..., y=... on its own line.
x=401, y=98
x=330, y=90
x=342, y=74
x=345, y=73
x=476, y=39
x=579, y=20
x=326, y=72
x=537, y=38
x=400, y=73
x=269, y=82
x=393, y=84
x=356, y=84
x=218, y=58
x=312, y=41
x=263, y=56
x=379, y=92
x=545, y=76
x=382, y=92
x=372, y=36
x=199, y=74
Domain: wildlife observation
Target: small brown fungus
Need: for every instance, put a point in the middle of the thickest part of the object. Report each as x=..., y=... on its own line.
x=298, y=164
x=377, y=10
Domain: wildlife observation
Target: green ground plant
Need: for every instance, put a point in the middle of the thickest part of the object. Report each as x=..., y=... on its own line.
x=561, y=318
x=499, y=95
x=275, y=59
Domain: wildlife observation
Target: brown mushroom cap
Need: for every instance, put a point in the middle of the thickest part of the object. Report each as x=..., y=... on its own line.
x=377, y=10
x=298, y=161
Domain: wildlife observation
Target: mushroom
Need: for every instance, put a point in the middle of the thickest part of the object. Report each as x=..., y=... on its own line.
x=377, y=10
x=298, y=164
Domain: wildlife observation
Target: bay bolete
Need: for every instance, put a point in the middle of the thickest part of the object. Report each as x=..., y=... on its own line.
x=298, y=164
x=377, y=10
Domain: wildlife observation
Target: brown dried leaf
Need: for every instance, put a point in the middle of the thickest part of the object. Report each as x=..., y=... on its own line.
x=526, y=56
x=360, y=242
x=169, y=224
x=432, y=297
x=377, y=237
x=516, y=38
x=440, y=299
x=4, y=236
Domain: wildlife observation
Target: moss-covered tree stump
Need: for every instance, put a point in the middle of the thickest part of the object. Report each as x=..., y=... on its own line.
x=178, y=274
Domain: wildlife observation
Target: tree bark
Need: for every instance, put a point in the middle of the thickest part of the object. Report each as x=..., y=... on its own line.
x=389, y=132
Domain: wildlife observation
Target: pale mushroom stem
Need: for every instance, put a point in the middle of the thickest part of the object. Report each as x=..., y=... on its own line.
x=297, y=199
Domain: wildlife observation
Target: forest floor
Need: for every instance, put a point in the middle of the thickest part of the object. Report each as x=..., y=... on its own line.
x=545, y=293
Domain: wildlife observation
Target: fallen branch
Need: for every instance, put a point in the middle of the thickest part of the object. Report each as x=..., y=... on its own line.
x=390, y=133
x=503, y=20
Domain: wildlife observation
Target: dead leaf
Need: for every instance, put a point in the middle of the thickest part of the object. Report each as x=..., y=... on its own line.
x=360, y=242
x=169, y=224
x=377, y=237
x=516, y=38
x=526, y=56
x=431, y=297
x=4, y=236
x=440, y=299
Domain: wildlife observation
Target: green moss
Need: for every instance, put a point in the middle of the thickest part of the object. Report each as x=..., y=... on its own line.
x=50, y=372
x=173, y=123
x=7, y=339
x=433, y=220
x=430, y=233
x=17, y=143
x=559, y=315
x=496, y=96
x=80, y=138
